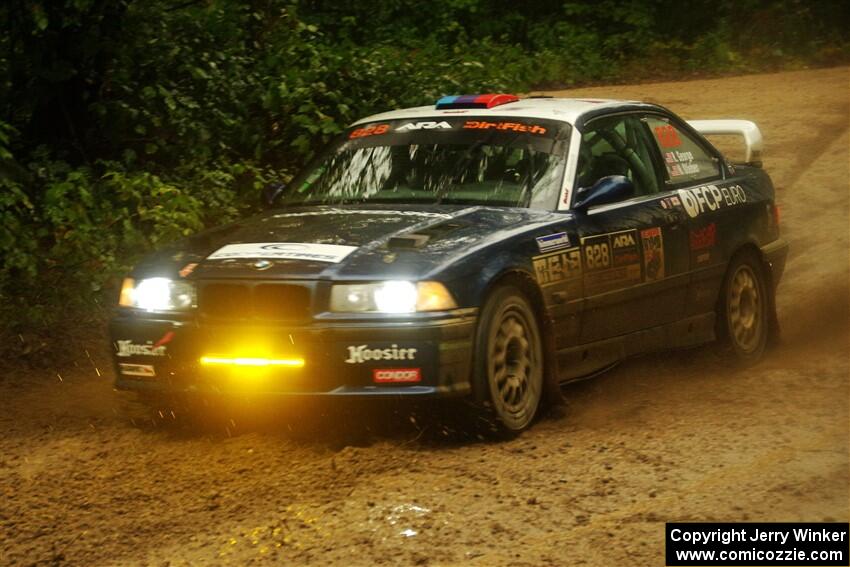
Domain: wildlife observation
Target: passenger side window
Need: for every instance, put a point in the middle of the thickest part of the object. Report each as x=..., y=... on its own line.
x=618, y=145
x=684, y=159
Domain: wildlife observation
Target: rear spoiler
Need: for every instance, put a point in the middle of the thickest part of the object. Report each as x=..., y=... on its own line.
x=744, y=128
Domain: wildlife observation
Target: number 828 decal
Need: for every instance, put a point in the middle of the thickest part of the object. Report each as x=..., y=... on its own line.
x=612, y=260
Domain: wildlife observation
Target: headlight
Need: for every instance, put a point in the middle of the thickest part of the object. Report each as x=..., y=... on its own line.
x=157, y=294
x=391, y=297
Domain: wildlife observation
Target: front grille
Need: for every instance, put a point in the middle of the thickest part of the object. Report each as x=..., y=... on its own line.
x=264, y=301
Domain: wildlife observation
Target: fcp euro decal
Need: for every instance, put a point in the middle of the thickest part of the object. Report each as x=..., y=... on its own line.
x=698, y=200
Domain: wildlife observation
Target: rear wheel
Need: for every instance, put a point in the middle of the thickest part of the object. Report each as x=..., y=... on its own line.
x=743, y=309
x=509, y=361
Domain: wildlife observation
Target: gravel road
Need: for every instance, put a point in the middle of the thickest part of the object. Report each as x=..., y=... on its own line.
x=672, y=437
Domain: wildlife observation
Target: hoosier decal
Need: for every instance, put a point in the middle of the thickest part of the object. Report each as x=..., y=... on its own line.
x=363, y=353
x=129, y=348
x=150, y=348
x=653, y=253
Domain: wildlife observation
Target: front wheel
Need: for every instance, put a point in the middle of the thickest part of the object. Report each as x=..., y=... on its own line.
x=743, y=309
x=509, y=361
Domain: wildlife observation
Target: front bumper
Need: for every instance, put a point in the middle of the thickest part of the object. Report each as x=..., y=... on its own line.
x=341, y=358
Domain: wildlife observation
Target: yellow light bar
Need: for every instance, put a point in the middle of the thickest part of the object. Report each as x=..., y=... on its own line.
x=246, y=361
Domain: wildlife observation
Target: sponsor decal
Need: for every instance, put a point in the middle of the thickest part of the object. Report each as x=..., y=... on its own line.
x=363, y=353
x=150, y=348
x=671, y=202
x=557, y=267
x=667, y=136
x=678, y=157
x=428, y=125
x=397, y=375
x=683, y=169
x=330, y=253
x=680, y=163
x=611, y=260
x=512, y=126
x=702, y=238
x=187, y=269
x=653, y=253
x=711, y=198
x=624, y=248
x=553, y=242
x=365, y=212
x=373, y=130
x=624, y=240
x=597, y=254
x=145, y=370
x=129, y=348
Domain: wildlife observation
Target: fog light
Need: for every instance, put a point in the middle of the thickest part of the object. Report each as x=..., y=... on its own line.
x=251, y=361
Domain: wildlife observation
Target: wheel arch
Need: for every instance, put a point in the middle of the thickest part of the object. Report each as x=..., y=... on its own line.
x=751, y=247
x=527, y=284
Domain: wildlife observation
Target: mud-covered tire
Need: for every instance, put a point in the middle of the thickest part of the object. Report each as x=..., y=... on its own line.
x=743, y=310
x=509, y=362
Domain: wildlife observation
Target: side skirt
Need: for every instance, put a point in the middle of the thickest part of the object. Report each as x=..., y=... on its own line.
x=578, y=362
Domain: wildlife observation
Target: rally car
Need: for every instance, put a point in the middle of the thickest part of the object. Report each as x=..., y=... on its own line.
x=486, y=247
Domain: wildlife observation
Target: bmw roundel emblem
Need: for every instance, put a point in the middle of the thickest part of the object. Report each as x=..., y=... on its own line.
x=262, y=265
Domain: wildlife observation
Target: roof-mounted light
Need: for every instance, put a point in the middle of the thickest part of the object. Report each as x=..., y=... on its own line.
x=475, y=101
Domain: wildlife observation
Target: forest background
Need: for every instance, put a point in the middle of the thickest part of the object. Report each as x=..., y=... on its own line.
x=127, y=124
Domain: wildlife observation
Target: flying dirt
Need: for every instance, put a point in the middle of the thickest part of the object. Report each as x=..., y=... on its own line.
x=88, y=479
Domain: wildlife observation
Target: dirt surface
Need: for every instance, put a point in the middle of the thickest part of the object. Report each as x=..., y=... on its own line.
x=674, y=437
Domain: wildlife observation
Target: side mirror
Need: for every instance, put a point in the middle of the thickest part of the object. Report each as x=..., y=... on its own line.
x=271, y=193
x=609, y=189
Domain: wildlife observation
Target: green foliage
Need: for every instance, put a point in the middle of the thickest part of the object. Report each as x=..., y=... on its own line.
x=125, y=124
x=85, y=229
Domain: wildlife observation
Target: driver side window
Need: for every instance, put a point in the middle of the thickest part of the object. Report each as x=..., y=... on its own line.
x=617, y=145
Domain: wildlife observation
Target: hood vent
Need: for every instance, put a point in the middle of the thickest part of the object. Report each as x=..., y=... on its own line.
x=421, y=237
x=405, y=241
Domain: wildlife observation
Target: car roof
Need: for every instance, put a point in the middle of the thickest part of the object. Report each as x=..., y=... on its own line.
x=571, y=110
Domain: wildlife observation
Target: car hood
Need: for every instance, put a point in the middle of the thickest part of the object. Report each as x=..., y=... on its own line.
x=344, y=242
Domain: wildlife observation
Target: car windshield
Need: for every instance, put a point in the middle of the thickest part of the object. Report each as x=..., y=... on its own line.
x=515, y=162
